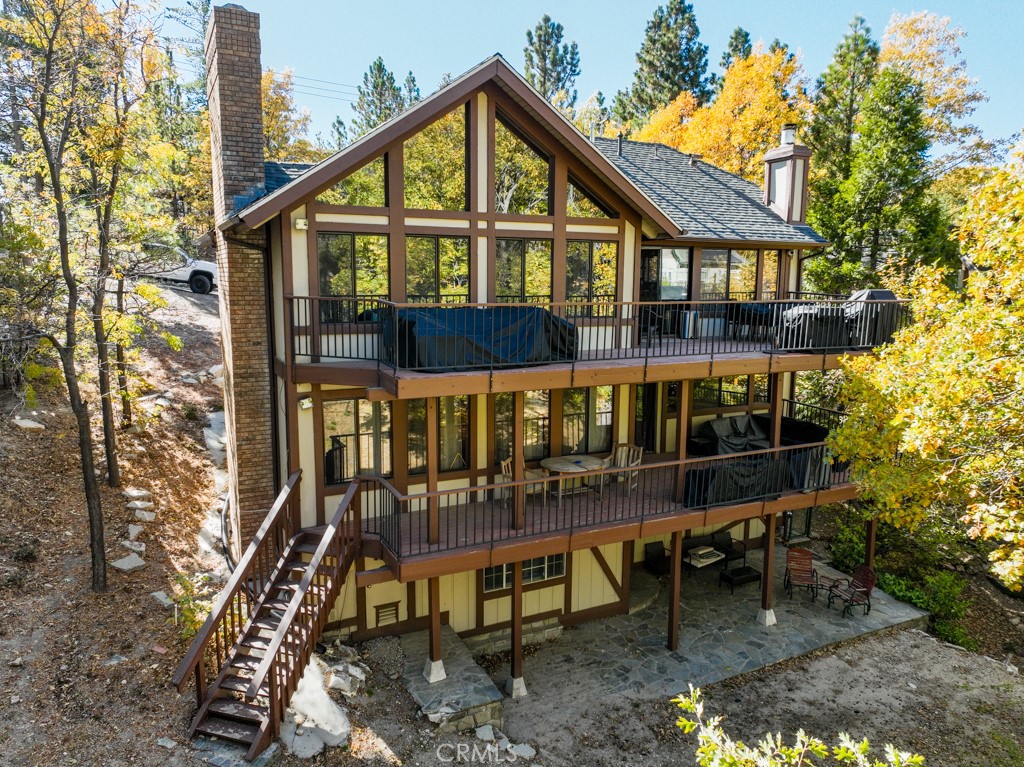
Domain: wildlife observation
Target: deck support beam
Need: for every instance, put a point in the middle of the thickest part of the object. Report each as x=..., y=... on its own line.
x=766, y=615
x=674, y=575
x=683, y=404
x=516, y=685
x=775, y=387
x=434, y=671
x=518, y=460
x=433, y=446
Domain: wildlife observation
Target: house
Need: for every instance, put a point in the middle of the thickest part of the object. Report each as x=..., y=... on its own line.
x=479, y=366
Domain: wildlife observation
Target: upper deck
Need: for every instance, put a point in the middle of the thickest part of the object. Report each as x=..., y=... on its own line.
x=423, y=349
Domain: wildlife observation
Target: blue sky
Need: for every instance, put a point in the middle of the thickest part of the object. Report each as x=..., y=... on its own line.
x=336, y=40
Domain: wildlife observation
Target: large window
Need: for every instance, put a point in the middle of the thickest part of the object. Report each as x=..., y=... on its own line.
x=728, y=274
x=357, y=439
x=522, y=270
x=522, y=174
x=366, y=187
x=437, y=269
x=730, y=391
x=435, y=165
x=579, y=203
x=590, y=271
x=536, y=425
x=452, y=431
x=353, y=264
x=587, y=420
x=769, y=274
x=499, y=577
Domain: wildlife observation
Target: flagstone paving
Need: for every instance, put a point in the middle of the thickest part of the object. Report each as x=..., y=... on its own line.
x=719, y=635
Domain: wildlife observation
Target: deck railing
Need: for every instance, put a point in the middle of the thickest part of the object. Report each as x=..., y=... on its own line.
x=446, y=520
x=822, y=416
x=237, y=602
x=455, y=336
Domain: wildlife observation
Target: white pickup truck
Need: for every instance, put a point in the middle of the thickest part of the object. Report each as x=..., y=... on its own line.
x=175, y=265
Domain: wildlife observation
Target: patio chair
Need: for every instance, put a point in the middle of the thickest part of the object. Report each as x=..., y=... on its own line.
x=538, y=488
x=800, y=572
x=854, y=591
x=656, y=559
x=600, y=480
x=628, y=457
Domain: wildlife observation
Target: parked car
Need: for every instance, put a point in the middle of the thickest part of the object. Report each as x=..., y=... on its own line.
x=175, y=265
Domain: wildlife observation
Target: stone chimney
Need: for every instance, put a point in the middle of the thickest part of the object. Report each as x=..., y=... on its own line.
x=236, y=143
x=785, y=178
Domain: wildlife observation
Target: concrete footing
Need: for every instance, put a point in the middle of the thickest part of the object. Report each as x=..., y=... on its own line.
x=766, y=617
x=515, y=687
x=433, y=671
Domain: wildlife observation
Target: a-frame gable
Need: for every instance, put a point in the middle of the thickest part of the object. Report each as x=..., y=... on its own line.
x=493, y=73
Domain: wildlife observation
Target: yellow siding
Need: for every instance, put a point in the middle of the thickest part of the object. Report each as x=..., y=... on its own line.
x=590, y=586
x=308, y=456
x=458, y=597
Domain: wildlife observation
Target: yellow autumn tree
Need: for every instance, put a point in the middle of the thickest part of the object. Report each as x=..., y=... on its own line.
x=937, y=417
x=285, y=126
x=760, y=94
x=927, y=46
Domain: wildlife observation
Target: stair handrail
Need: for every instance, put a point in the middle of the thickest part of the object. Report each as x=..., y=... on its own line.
x=334, y=532
x=193, y=660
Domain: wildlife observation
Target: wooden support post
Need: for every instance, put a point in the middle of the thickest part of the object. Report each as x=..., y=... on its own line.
x=766, y=615
x=775, y=411
x=433, y=448
x=518, y=461
x=434, y=671
x=870, y=533
x=516, y=685
x=675, y=572
x=683, y=405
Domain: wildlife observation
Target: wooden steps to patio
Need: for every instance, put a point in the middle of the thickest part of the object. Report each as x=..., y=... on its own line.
x=262, y=632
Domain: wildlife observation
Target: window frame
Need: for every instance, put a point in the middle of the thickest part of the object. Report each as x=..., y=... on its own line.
x=417, y=471
x=590, y=398
x=500, y=118
x=352, y=263
x=523, y=296
x=438, y=297
x=554, y=569
x=466, y=163
x=337, y=487
x=545, y=447
x=589, y=298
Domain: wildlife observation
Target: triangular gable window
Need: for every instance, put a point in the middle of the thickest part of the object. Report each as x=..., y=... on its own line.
x=522, y=175
x=365, y=187
x=581, y=204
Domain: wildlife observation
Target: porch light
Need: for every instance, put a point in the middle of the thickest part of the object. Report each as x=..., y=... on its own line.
x=302, y=224
x=789, y=133
x=305, y=403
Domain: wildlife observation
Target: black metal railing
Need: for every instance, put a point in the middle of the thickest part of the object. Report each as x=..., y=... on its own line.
x=413, y=525
x=822, y=416
x=536, y=437
x=458, y=336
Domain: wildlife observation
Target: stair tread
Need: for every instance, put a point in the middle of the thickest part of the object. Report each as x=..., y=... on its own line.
x=229, y=708
x=228, y=729
x=275, y=604
x=247, y=662
x=254, y=642
x=238, y=684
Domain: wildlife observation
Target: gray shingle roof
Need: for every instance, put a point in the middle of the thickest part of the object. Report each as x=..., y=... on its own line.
x=707, y=202
x=279, y=174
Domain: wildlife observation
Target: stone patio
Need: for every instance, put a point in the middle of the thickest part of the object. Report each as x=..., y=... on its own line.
x=719, y=636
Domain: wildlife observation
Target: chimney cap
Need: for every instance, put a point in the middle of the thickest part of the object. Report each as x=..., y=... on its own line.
x=695, y=158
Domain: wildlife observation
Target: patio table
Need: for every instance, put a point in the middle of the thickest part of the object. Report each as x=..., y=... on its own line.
x=570, y=464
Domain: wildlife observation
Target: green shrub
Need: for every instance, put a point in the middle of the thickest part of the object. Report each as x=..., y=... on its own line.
x=941, y=595
x=194, y=601
x=848, y=546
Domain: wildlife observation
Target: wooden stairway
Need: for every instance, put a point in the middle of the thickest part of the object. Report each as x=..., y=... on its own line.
x=258, y=639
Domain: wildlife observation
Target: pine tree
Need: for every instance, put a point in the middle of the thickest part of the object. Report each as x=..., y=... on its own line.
x=838, y=99
x=739, y=47
x=889, y=218
x=552, y=66
x=671, y=60
x=380, y=98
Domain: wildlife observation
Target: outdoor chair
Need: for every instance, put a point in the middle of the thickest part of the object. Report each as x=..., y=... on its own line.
x=628, y=457
x=600, y=480
x=800, y=572
x=538, y=488
x=652, y=323
x=855, y=591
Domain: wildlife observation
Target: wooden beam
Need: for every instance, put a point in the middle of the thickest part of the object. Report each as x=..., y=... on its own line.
x=518, y=462
x=607, y=570
x=434, y=598
x=684, y=401
x=769, y=562
x=675, y=572
x=517, y=620
x=775, y=411
x=433, y=448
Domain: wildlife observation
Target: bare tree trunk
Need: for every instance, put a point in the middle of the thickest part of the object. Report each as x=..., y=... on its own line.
x=106, y=392
x=122, y=365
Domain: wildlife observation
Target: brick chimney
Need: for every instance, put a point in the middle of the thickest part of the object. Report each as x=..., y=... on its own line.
x=785, y=178
x=236, y=143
